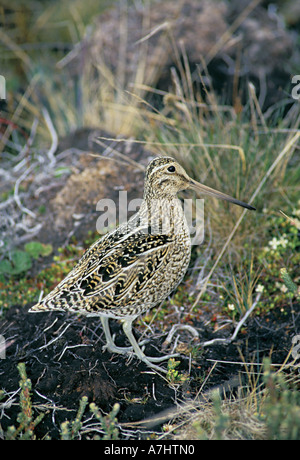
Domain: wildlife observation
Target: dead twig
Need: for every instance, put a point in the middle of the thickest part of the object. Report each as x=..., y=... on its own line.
x=175, y=328
x=55, y=339
x=54, y=137
x=16, y=191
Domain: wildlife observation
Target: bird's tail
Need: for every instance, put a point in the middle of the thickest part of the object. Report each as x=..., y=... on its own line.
x=41, y=306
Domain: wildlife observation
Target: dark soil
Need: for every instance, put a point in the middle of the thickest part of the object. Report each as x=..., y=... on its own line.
x=65, y=361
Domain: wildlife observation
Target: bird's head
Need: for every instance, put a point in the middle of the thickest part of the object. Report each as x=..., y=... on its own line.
x=165, y=177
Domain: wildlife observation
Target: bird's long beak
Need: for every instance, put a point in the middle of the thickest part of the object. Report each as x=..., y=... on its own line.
x=210, y=191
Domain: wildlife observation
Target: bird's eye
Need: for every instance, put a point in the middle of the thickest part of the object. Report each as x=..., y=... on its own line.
x=171, y=169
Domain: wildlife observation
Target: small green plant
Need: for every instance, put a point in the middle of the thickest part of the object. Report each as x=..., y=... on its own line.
x=108, y=422
x=222, y=417
x=281, y=407
x=19, y=261
x=70, y=430
x=36, y=249
x=23, y=289
x=281, y=250
x=239, y=296
x=290, y=285
x=26, y=420
x=16, y=263
x=173, y=375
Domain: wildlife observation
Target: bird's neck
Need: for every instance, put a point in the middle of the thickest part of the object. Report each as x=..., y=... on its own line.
x=162, y=214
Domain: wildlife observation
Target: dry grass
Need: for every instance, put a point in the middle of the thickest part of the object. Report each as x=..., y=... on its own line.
x=264, y=406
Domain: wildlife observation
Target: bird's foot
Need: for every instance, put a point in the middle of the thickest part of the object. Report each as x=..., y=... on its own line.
x=137, y=349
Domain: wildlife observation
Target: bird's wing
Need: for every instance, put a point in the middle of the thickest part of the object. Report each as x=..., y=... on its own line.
x=113, y=269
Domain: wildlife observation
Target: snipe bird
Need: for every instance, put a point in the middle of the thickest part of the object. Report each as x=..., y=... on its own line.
x=137, y=265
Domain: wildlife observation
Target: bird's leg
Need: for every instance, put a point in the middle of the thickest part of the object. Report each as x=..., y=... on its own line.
x=110, y=345
x=127, y=327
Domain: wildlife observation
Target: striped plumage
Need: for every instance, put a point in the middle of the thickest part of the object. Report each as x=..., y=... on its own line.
x=134, y=267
